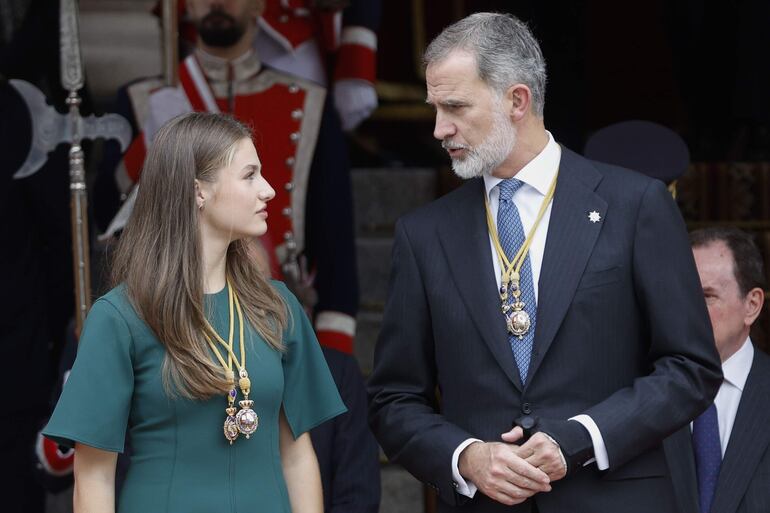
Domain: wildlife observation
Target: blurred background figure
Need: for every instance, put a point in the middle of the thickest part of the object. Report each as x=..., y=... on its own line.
x=644, y=146
x=719, y=464
x=331, y=42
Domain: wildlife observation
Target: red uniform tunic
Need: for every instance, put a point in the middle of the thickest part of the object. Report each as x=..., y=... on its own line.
x=346, y=36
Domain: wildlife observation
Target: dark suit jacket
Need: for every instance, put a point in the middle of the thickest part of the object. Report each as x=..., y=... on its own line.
x=347, y=452
x=622, y=335
x=744, y=478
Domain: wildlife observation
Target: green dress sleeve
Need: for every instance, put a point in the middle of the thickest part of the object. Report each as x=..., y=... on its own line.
x=94, y=405
x=310, y=396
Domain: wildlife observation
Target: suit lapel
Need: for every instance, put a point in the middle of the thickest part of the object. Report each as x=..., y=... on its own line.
x=465, y=241
x=570, y=241
x=748, y=439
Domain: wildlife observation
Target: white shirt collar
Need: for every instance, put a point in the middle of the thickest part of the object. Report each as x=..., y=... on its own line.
x=538, y=173
x=736, y=368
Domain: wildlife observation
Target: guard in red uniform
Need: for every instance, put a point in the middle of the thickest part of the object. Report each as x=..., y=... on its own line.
x=299, y=139
x=331, y=42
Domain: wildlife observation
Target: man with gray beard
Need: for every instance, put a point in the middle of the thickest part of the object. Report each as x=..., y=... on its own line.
x=545, y=328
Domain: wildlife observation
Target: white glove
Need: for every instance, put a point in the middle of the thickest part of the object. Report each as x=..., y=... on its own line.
x=355, y=100
x=163, y=104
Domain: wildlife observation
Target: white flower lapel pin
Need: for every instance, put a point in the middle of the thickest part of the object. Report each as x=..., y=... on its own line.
x=594, y=216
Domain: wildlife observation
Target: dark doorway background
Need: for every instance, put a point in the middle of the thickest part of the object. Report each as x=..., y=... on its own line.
x=697, y=67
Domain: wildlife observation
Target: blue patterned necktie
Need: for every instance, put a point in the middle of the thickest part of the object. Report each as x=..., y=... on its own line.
x=708, y=455
x=511, y=234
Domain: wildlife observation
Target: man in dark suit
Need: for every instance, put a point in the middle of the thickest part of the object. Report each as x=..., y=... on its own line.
x=722, y=463
x=347, y=453
x=578, y=320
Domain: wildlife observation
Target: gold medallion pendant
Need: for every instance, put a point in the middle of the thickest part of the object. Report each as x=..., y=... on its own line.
x=517, y=320
x=247, y=419
x=230, y=427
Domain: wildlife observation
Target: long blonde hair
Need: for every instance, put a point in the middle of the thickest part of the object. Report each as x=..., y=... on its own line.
x=159, y=255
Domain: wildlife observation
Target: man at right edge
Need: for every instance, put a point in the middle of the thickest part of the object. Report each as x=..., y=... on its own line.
x=721, y=462
x=544, y=381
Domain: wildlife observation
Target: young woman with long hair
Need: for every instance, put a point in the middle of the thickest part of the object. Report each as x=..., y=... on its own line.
x=213, y=370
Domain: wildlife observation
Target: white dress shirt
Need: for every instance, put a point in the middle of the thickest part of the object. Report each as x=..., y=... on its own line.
x=736, y=372
x=537, y=176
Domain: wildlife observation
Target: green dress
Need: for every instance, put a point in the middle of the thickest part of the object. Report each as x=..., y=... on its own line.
x=180, y=459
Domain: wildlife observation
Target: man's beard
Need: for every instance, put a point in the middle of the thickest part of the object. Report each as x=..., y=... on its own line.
x=490, y=153
x=219, y=29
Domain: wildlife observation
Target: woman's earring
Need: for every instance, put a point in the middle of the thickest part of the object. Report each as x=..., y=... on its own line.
x=200, y=206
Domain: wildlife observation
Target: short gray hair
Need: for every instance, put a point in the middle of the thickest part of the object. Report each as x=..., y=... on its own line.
x=506, y=52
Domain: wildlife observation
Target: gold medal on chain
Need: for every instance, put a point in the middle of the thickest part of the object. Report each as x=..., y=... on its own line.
x=517, y=320
x=246, y=420
x=231, y=427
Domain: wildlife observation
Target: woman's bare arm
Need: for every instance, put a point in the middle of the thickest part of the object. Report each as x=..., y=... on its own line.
x=300, y=469
x=94, y=480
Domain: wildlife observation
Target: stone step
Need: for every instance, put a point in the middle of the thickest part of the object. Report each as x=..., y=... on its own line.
x=374, y=259
x=382, y=195
x=401, y=492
